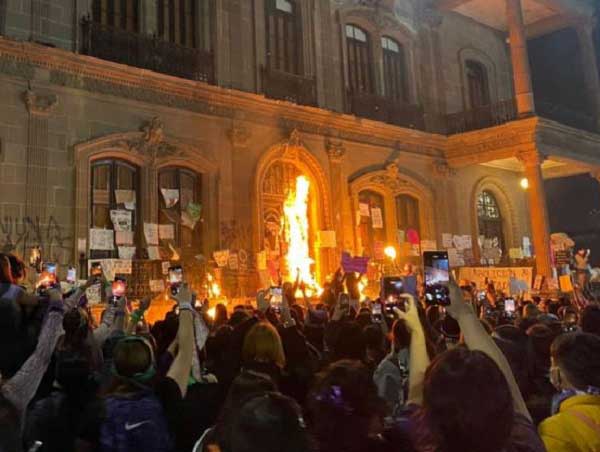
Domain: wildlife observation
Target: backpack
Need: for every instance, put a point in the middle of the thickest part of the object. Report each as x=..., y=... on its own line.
x=135, y=424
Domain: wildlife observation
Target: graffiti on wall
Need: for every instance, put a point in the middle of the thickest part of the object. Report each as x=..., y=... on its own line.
x=17, y=234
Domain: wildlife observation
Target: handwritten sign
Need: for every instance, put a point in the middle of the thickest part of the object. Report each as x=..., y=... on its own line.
x=102, y=239
x=354, y=264
x=124, y=237
x=377, y=218
x=153, y=253
x=121, y=220
x=126, y=252
x=151, y=233
x=499, y=275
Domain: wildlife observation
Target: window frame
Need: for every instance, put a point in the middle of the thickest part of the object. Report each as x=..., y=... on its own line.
x=482, y=97
x=177, y=21
x=488, y=202
x=374, y=234
x=410, y=223
x=113, y=164
x=361, y=78
x=278, y=22
x=198, y=233
x=395, y=70
x=109, y=13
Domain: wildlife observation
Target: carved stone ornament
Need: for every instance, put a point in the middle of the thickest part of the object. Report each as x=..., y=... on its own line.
x=390, y=182
x=530, y=158
x=239, y=136
x=152, y=143
x=442, y=170
x=40, y=104
x=335, y=150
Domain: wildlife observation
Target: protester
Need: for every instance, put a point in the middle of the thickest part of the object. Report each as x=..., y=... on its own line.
x=575, y=424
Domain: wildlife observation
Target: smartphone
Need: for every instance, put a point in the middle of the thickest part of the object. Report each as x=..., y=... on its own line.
x=392, y=287
x=437, y=277
x=50, y=268
x=377, y=312
x=119, y=287
x=509, y=306
x=175, y=279
x=276, y=298
x=71, y=275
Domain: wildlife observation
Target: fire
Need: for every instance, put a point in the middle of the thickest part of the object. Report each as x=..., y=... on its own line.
x=295, y=210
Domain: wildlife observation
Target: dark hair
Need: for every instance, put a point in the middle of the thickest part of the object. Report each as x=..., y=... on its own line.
x=17, y=267
x=349, y=343
x=131, y=357
x=5, y=269
x=373, y=337
x=221, y=316
x=578, y=356
x=590, y=319
x=343, y=399
x=238, y=317
x=269, y=422
x=458, y=420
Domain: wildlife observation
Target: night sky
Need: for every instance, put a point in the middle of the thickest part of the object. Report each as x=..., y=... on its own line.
x=574, y=208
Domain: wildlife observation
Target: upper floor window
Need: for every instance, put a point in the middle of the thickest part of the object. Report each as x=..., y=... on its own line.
x=114, y=192
x=360, y=76
x=407, y=213
x=372, y=226
x=283, y=36
x=489, y=218
x=394, y=70
x=180, y=199
x=123, y=14
x=177, y=21
x=478, y=85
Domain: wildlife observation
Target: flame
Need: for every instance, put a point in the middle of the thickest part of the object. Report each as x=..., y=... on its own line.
x=212, y=312
x=295, y=210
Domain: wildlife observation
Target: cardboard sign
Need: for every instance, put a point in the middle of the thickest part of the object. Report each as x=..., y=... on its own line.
x=500, y=275
x=364, y=210
x=377, y=218
x=221, y=258
x=151, y=233
x=102, y=239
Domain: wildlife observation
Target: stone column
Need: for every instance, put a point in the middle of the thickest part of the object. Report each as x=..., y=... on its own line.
x=540, y=229
x=336, y=152
x=585, y=33
x=520, y=58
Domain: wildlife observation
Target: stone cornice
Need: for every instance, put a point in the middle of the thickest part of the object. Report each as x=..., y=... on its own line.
x=66, y=69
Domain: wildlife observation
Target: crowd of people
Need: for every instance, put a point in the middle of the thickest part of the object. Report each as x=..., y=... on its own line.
x=335, y=375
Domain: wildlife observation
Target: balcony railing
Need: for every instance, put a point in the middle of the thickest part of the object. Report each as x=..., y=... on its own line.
x=380, y=108
x=293, y=88
x=146, y=52
x=566, y=116
x=481, y=118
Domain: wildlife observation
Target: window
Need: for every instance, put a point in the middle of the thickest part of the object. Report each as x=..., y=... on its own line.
x=372, y=227
x=490, y=218
x=359, y=60
x=394, y=70
x=407, y=213
x=123, y=14
x=283, y=36
x=477, y=79
x=178, y=22
x=108, y=176
x=184, y=193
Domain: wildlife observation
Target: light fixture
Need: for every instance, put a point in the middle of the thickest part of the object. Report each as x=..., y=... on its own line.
x=390, y=252
x=524, y=183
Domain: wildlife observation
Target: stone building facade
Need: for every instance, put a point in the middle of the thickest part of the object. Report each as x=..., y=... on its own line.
x=417, y=108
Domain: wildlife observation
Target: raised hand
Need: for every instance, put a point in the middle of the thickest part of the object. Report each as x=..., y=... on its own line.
x=411, y=316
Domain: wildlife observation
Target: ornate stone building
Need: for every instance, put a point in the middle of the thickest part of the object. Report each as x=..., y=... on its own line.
x=430, y=112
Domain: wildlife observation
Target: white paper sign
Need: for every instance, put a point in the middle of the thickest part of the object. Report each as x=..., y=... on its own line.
x=233, y=261
x=126, y=252
x=124, y=237
x=364, y=210
x=428, y=245
x=153, y=253
x=122, y=266
x=121, y=220
x=151, y=233
x=166, y=231
x=165, y=267
x=126, y=197
x=377, y=218
x=170, y=196
x=94, y=294
x=102, y=239
x=447, y=241
x=157, y=285
x=221, y=257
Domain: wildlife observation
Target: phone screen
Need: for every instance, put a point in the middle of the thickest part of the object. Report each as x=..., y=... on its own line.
x=437, y=277
x=377, y=310
x=119, y=286
x=50, y=268
x=392, y=287
x=71, y=275
x=276, y=297
x=175, y=278
x=509, y=305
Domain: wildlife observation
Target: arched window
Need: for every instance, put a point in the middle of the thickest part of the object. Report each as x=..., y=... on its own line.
x=490, y=218
x=114, y=187
x=394, y=70
x=477, y=79
x=179, y=200
x=283, y=36
x=372, y=226
x=407, y=213
x=122, y=14
x=360, y=75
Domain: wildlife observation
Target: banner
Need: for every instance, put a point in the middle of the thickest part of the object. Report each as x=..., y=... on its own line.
x=499, y=275
x=354, y=264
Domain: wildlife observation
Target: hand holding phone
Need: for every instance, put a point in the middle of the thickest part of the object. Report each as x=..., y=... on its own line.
x=276, y=298
x=175, y=279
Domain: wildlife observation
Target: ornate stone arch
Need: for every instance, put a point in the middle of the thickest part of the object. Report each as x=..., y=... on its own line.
x=149, y=150
x=391, y=182
x=293, y=152
x=507, y=211
x=471, y=53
